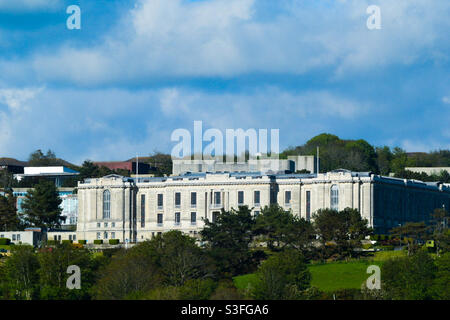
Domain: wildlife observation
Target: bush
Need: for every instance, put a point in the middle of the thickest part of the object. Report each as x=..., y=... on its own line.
x=367, y=246
x=387, y=248
x=98, y=241
x=52, y=242
x=5, y=241
x=67, y=241
x=113, y=241
x=197, y=289
x=82, y=241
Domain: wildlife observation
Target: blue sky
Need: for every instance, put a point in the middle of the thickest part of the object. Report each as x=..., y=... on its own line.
x=137, y=70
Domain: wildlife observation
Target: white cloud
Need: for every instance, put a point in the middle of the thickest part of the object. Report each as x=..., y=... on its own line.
x=228, y=38
x=446, y=100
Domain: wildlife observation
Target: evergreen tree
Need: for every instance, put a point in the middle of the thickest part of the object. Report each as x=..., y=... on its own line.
x=9, y=220
x=41, y=206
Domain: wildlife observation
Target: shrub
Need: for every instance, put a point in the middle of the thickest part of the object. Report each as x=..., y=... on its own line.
x=82, y=241
x=387, y=248
x=98, y=241
x=52, y=242
x=5, y=241
x=113, y=241
x=67, y=241
x=367, y=246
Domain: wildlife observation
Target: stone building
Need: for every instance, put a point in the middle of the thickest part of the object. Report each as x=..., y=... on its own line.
x=130, y=209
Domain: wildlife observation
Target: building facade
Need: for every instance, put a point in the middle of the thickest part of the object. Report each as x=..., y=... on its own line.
x=131, y=210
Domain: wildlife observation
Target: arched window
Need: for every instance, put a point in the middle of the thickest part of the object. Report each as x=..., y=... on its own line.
x=106, y=204
x=334, y=197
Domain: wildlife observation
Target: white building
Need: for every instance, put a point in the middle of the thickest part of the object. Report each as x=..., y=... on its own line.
x=115, y=207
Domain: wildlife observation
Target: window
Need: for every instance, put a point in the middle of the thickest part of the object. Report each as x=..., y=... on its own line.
x=113, y=224
x=217, y=199
x=257, y=198
x=106, y=224
x=98, y=224
x=13, y=237
x=193, y=199
x=106, y=204
x=160, y=201
x=113, y=235
x=74, y=237
x=160, y=219
x=98, y=236
x=193, y=217
x=142, y=210
x=287, y=197
x=18, y=237
x=105, y=235
x=240, y=198
x=215, y=215
x=334, y=197
x=70, y=237
x=177, y=199
x=308, y=205
x=177, y=218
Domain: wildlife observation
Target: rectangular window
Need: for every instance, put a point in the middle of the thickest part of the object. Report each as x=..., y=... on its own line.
x=98, y=225
x=217, y=201
x=193, y=199
x=18, y=237
x=177, y=199
x=177, y=218
x=142, y=210
x=70, y=237
x=74, y=237
x=105, y=235
x=160, y=219
x=308, y=205
x=113, y=224
x=106, y=224
x=240, y=198
x=287, y=197
x=98, y=236
x=160, y=201
x=193, y=217
x=257, y=198
x=215, y=215
x=13, y=237
x=113, y=235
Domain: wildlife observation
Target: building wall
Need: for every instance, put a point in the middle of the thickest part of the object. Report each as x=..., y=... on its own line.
x=378, y=199
x=21, y=237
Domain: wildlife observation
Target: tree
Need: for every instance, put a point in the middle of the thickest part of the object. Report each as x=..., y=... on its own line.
x=131, y=272
x=341, y=230
x=440, y=229
x=228, y=240
x=283, y=276
x=38, y=158
x=441, y=285
x=54, y=262
x=41, y=206
x=180, y=259
x=9, y=220
x=409, y=278
x=414, y=230
x=280, y=228
x=21, y=270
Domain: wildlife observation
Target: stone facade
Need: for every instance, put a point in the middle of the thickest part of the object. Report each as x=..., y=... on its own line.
x=135, y=210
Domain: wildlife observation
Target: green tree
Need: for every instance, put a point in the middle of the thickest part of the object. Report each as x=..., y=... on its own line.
x=409, y=278
x=414, y=230
x=283, y=276
x=9, y=220
x=441, y=285
x=54, y=262
x=439, y=220
x=228, y=240
x=280, y=228
x=340, y=232
x=180, y=259
x=41, y=206
x=21, y=273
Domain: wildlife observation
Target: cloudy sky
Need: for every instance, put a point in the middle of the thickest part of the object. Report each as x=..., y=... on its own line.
x=137, y=70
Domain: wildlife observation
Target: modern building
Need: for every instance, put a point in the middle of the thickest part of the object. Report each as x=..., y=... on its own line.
x=56, y=173
x=12, y=165
x=429, y=170
x=32, y=236
x=69, y=204
x=290, y=165
x=131, y=210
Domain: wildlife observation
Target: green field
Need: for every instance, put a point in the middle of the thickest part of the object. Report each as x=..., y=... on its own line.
x=333, y=276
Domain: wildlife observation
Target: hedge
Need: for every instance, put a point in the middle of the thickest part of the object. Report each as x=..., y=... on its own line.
x=52, y=242
x=82, y=241
x=67, y=241
x=98, y=241
x=5, y=241
x=113, y=241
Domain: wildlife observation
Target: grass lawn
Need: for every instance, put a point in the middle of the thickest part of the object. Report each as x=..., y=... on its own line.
x=334, y=275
